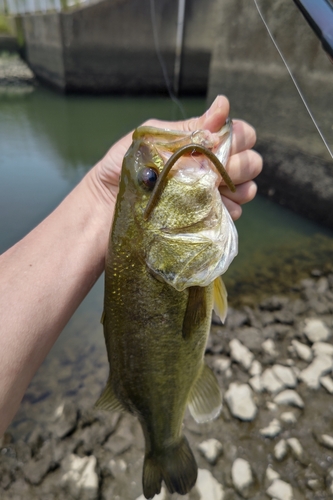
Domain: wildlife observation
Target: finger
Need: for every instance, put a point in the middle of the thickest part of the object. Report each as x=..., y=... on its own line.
x=243, y=194
x=244, y=136
x=233, y=208
x=244, y=166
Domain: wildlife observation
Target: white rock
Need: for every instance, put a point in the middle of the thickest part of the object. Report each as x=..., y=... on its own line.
x=241, y=475
x=271, y=474
x=280, y=449
x=280, y=490
x=325, y=348
x=316, y=330
x=240, y=401
x=289, y=397
x=80, y=477
x=270, y=382
x=295, y=447
x=221, y=365
x=211, y=449
x=269, y=348
x=255, y=368
x=327, y=441
x=313, y=484
x=117, y=467
x=327, y=382
x=255, y=383
x=303, y=351
x=288, y=417
x=208, y=487
x=286, y=375
x=272, y=430
x=297, y=372
x=271, y=406
x=161, y=496
x=240, y=353
x=321, y=365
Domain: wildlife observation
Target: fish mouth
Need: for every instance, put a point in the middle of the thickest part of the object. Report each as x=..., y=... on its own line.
x=162, y=179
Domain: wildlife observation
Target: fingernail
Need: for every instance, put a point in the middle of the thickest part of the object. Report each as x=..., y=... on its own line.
x=211, y=109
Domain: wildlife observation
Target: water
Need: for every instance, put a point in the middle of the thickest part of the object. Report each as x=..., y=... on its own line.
x=47, y=143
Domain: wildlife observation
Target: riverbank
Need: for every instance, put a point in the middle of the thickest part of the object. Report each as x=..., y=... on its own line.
x=273, y=438
x=15, y=75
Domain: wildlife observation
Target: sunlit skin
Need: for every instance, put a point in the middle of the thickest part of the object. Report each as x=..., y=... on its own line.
x=46, y=275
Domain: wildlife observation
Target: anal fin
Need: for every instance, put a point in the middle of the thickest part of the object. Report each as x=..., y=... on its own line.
x=108, y=400
x=205, y=402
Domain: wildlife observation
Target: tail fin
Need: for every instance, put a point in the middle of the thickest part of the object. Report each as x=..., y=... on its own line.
x=176, y=466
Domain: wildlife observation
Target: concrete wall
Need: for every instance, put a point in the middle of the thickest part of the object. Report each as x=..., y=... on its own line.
x=109, y=46
x=247, y=68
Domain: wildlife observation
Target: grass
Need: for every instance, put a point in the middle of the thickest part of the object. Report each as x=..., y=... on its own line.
x=4, y=25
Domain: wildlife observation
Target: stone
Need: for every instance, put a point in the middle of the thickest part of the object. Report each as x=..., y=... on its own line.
x=271, y=474
x=280, y=450
x=241, y=475
x=240, y=353
x=296, y=448
x=163, y=495
x=240, y=401
x=274, y=303
x=288, y=417
x=251, y=337
x=286, y=375
x=272, y=430
x=269, y=348
x=255, y=368
x=211, y=449
x=80, y=477
x=289, y=397
x=255, y=383
x=321, y=365
x=327, y=383
x=326, y=441
x=280, y=490
x=316, y=330
x=66, y=416
x=207, y=487
x=271, y=406
x=222, y=365
x=117, y=467
x=34, y=471
x=325, y=348
x=270, y=382
x=303, y=351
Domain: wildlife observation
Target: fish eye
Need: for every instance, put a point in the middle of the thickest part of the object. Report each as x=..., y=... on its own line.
x=147, y=177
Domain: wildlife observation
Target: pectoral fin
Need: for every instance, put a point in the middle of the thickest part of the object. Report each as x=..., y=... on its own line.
x=108, y=400
x=220, y=299
x=196, y=309
x=205, y=401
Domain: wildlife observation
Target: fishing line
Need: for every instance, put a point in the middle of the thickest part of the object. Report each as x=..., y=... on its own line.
x=161, y=60
x=293, y=79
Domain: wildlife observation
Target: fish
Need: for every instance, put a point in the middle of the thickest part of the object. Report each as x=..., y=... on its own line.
x=171, y=240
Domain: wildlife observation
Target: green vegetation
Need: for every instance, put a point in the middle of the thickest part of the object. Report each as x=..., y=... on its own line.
x=4, y=25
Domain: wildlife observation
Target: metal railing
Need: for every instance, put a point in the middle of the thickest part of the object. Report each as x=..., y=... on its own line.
x=12, y=7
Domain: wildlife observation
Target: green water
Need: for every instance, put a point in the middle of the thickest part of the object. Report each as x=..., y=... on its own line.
x=47, y=143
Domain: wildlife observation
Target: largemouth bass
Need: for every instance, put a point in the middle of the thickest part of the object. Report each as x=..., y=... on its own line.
x=170, y=241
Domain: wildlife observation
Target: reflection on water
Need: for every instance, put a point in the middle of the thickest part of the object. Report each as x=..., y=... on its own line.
x=47, y=143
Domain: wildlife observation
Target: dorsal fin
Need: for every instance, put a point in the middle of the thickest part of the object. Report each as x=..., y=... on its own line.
x=205, y=402
x=220, y=299
x=196, y=309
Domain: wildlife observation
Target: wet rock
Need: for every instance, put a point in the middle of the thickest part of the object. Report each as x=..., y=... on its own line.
x=302, y=350
x=280, y=490
x=322, y=348
x=80, y=478
x=251, y=337
x=240, y=401
x=280, y=450
x=241, y=475
x=285, y=317
x=316, y=330
x=240, y=353
x=288, y=417
x=289, y=397
x=35, y=470
x=272, y=430
x=286, y=375
x=321, y=365
x=235, y=318
x=211, y=449
x=327, y=383
x=270, y=382
x=208, y=487
x=66, y=416
x=274, y=303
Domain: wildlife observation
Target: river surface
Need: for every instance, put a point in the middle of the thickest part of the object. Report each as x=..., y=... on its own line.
x=47, y=143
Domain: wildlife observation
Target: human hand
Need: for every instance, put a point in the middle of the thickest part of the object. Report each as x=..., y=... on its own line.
x=243, y=166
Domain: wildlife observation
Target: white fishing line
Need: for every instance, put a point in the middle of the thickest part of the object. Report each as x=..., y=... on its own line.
x=293, y=80
x=161, y=60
